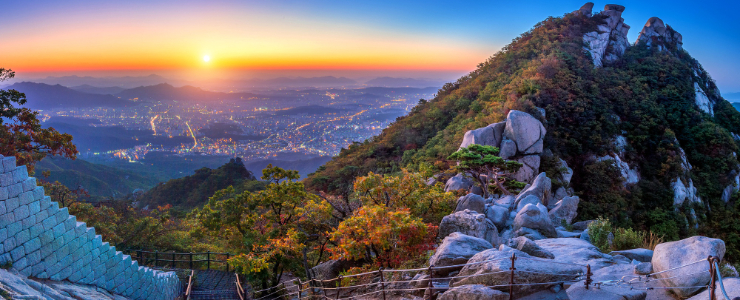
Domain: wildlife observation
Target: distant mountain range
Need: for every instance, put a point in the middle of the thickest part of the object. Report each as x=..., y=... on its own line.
x=731, y=96
x=121, y=81
x=404, y=82
x=325, y=81
x=165, y=91
x=44, y=96
x=110, y=90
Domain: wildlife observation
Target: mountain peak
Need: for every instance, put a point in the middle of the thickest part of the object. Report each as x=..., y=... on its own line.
x=655, y=33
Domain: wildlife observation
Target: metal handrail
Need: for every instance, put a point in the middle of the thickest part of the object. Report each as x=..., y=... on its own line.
x=721, y=284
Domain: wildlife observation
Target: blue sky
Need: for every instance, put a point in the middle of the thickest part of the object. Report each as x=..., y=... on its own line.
x=449, y=35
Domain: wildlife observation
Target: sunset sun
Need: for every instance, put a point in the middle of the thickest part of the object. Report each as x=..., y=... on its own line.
x=206, y=58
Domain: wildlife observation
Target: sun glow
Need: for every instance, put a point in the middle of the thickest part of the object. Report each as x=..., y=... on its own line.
x=206, y=58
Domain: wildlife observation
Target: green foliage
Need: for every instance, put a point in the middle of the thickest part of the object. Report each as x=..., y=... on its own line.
x=488, y=170
x=628, y=238
x=598, y=233
x=194, y=190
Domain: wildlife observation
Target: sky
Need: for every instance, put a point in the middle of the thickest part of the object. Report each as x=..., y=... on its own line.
x=248, y=39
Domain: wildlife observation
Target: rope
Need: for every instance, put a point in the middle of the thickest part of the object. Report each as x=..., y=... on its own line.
x=721, y=284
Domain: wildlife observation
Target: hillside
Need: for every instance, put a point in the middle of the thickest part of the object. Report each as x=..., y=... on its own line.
x=165, y=92
x=100, y=181
x=642, y=125
x=194, y=190
x=44, y=96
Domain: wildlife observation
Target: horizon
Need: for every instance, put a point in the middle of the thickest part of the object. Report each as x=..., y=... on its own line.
x=254, y=40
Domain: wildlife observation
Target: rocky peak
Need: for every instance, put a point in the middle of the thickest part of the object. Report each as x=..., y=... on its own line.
x=655, y=33
x=585, y=9
x=609, y=41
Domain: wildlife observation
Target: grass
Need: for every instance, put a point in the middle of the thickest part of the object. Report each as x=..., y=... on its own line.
x=624, y=238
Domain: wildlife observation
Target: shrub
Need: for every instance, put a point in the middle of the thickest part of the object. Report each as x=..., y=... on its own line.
x=598, y=233
x=627, y=239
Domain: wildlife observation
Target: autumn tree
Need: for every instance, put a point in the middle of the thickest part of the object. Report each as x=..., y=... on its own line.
x=272, y=230
x=482, y=164
x=21, y=134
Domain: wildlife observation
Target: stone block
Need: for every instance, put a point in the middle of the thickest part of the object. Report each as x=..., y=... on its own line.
x=69, y=223
x=33, y=245
x=46, y=237
x=6, y=220
x=63, y=254
x=8, y=163
x=45, y=202
x=38, y=193
x=25, y=197
x=89, y=278
x=29, y=221
x=20, y=264
x=12, y=203
x=34, y=207
x=62, y=214
x=49, y=223
x=75, y=277
x=17, y=253
x=36, y=230
x=59, y=230
x=97, y=241
x=3, y=193
x=69, y=236
x=15, y=190
x=21, y=212
x=3, y=209
x=6, y=179
x=33, y=257
x=37, y=269
x=20, y=174
x=47, y=250
x=3, y=234
x=29, y=184
x=14, y=228
x=41, y=216
x=95, y=252
x=80, y=228
x=9, y=244
x=22, y=237
x=90, y=233
x=87, y=258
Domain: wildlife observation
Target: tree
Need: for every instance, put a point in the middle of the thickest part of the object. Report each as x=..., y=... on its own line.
x=486, y=168
x=21, y=134
x=272, y=230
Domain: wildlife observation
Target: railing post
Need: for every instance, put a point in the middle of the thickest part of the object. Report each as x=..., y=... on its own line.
x=208, y=260
x=300, y=287
x=138, y=254
x=382, y=281
x=323, y=288
x=339, y=286
x=430, y=286
x=588, y=275
x=191, y=260
x=511, y=283
x=713, y=279
x=156, y=258
x=227, y=262
x=173, y=259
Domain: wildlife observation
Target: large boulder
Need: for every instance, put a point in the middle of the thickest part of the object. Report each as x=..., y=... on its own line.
x=505, y=201
x=331, y=269
x=458, y=182
x=528, y=246
x=526, y=131
x=531, y=199
x=541, y=188
x=456, y=249
x=488, y=136
x=533, y=217
x=473, y=292
x=472, y=202
x=507, y=149
x=566, y=173
x=675, y=254
x=530, y=168
x=585, y=10
x=576, y=251
x=639, y=254
x=497, y=214
x=470, y=223
x=492, y=267
x=565, y=210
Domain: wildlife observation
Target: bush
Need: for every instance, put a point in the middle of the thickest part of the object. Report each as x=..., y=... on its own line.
x=598, y=233
x=628, y=239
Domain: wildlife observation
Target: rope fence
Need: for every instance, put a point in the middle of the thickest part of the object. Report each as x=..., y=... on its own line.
x=425, y=283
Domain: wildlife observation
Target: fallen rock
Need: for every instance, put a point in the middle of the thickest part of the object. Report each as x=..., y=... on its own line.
x=526, y=131
x=532, y=217
x=528, y=246
x=565, y=210
x=498, y=215
x=473, y=292
x=675, y=254
x=488, y=136
x=458, y=182
x=471, y=202
x=456, y=249
x=528, y=233
x=331, y=269
x=732, y=287
x=639, y=254
x=540, y=187
x=493, y=265
x=469, y=223
x=643, y=268
x=582, y=225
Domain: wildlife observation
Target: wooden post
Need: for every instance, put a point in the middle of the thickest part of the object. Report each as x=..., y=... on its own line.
x=430, y=286
x=323, y=288
x=191, y=260
x=156, y=257
x=138, y=254
x=227, y=262
x=339, y=285
x=588, y=275
x=208, y=259
x=300, y=287
x=382, y=281
x=511, y=283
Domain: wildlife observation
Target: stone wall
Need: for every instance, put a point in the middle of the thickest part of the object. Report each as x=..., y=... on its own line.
x=42, y=240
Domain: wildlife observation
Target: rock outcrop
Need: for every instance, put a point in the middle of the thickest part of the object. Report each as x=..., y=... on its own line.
x=490, y=135
x=656, y=34
x=533, y=217
x=564, y=211
x=470, y=223
x=526, y=131
x=675, y=254
x=472, y=202
x=43, y=241
x=609, y=42
x=473, y=292
x=528, y=246
x=456, y=249
x=458, y=182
